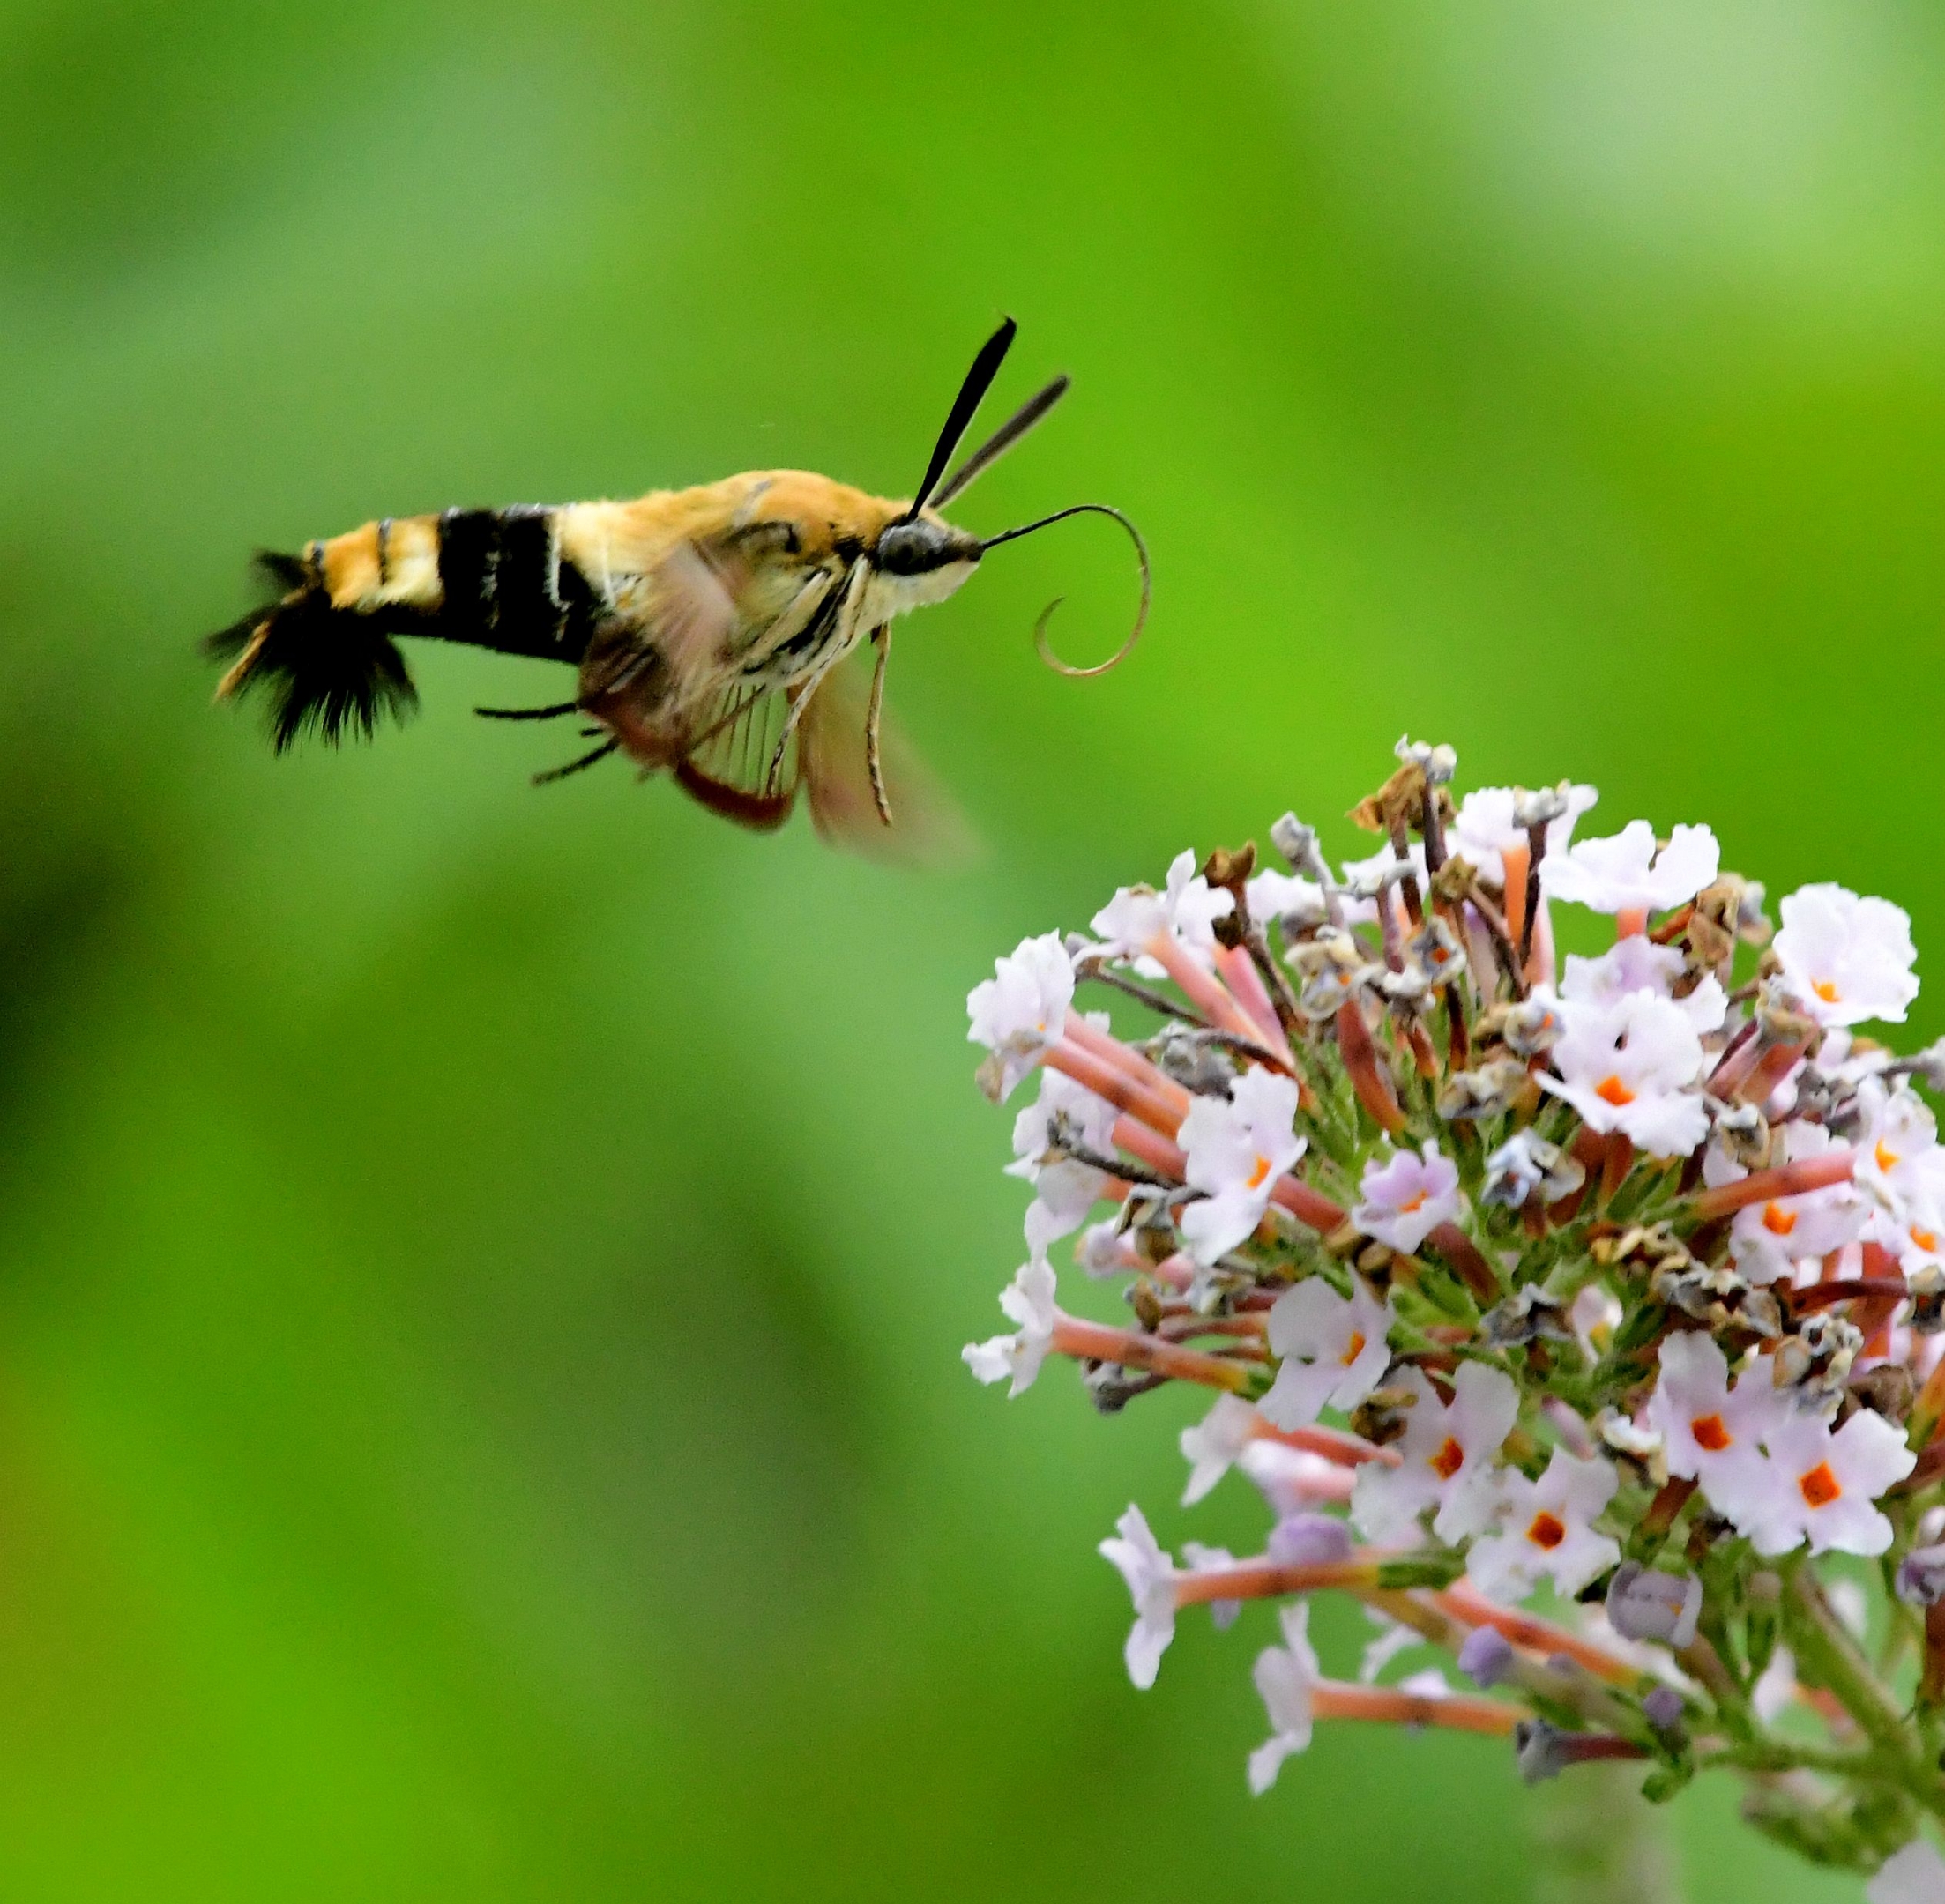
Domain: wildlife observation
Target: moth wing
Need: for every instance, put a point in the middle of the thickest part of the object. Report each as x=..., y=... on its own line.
x=702, y=603
x=927, y=827
x=735, y=769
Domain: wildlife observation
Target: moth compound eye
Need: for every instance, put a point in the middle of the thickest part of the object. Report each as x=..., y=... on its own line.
x=910, y=548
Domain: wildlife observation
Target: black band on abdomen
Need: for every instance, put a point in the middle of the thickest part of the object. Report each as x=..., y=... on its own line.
x=507, y=587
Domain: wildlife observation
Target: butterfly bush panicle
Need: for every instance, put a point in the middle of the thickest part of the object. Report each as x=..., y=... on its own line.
x=1578, y=1316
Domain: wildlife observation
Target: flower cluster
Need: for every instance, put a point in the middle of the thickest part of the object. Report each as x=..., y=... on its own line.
x=1616, y=1281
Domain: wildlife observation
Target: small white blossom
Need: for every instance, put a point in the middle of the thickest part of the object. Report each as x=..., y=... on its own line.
x=1446, y=1459
x=1818, y=1486
x=1545, y=1531
x=1710, y=1433
x=1768, y=1240
x=1184, y=911
x=1064, y=1190
x=1407, y=1197
x=1293, y=1480
x=1236, y=1149
x=1486, y=824
x=1215, y=1444
x=1393, y=1638
x=1846, y=958
x=1285, y=896
x=1526, y=1164
x=1899, y=1159
x=1285, y=1675
x=1594, y=1315
x=1624, y=873
x=1629, y=1066
x=1334, y=1350
x=1151, y=1576
x=1914, y=1875
x=1020, y=1010
x=1028, y=1299
x=1776, y=1690
x=1638, y=964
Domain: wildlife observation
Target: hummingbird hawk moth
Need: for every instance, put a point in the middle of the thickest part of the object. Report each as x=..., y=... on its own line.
x=707, y=626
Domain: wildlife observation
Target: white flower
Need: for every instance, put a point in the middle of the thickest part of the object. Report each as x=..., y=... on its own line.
x=1915, y=1875
x=1628, y=1067
x=1848, y=959
x=1594, y=1315
x=1215, y=1444
x=1334, y=1351
x=1638, y=964
x=1064, y=1191
x=1363, y=878
x=1768, y=1240
x=1236, y=1149
x=1710, y=1433
x=1293, y=1480
x=1898, y=1160
x=1485, y=826
x=1028, y=1299
x=1818, y=1486
x=1184, y=911
x=1776, y=1690
x=1407, y=1197
x=1151, y=1577
x=1278, y=896
x=1447, y=1455
x=1624, y=873
x=1285, y=1675
x=1546, y=1532
x=1394, y=1638
x=1019, y=1011
x=1775, y=1469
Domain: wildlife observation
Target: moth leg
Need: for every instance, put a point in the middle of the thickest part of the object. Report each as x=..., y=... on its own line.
x=842, y=643
x=882, y=637
x=529, y=713
x=575, y=766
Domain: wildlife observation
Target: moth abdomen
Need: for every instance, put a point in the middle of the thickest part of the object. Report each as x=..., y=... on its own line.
x=323, y=652
x=324, y=669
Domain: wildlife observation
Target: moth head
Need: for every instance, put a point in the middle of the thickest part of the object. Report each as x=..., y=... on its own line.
x=923, y=559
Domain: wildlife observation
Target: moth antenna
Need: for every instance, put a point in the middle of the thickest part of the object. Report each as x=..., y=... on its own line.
x=979, y=380
x=1041, y=642
x=873, y=760
x=529, y=713
x=999, y=441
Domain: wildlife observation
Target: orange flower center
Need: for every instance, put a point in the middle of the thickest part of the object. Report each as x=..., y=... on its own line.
x=1820, y=1487
x=1547, y=1531
x=1925, y=1240
x=1826, y=990
x=1414, y=1205
x=1448, y=1460
x=1888, y=1159
x=1710, y=1432
x=1257, y=1175
x=1353, y=1349
x=1614, y=1092
x=1779, y=1221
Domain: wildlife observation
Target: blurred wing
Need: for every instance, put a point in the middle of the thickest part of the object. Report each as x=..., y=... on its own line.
x=690, y=616
x=729, y=770
x=927, y=826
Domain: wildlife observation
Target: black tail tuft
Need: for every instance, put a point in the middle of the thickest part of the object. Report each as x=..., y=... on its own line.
x=327, y=670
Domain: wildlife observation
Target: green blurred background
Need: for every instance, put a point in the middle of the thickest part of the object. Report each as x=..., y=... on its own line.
x=481, y=1270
